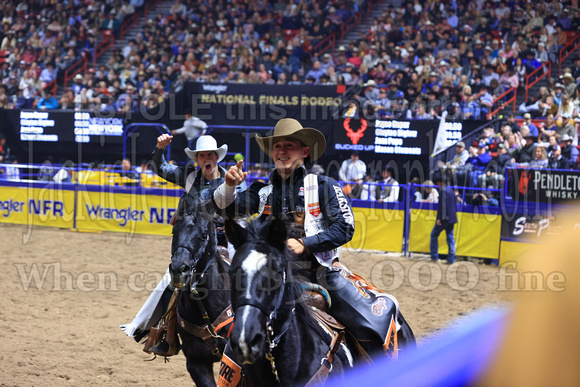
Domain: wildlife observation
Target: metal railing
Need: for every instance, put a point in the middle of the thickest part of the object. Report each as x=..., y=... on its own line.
x=128, y=24
x=325, y=44
x=535, y=76
x=568, y=49
x=348, y=25
x=150, y=6
x=76, y=68
x=506, y=102
x=108, y=42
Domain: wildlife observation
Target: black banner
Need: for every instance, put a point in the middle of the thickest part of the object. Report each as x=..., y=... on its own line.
x=263, y=105
x=543, y=185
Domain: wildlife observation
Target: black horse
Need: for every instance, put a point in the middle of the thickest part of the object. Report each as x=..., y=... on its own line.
x=204, y=313
x=274, y=337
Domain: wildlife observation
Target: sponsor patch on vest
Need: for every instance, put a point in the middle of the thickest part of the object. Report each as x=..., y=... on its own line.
x=267, y=210
x=379, y=306
x=314, y=209
x=301, y=192
x=311, y=188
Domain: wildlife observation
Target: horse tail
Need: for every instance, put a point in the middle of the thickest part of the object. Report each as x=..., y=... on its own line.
x=405, y=335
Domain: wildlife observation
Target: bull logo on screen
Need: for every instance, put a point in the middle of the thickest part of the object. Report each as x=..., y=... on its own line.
x=353, y=134
x=524, y=182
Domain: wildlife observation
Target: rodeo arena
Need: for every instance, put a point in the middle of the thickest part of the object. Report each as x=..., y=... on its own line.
x=289, y=192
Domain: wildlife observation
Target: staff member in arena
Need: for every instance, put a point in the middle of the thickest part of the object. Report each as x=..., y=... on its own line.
x=446, y=219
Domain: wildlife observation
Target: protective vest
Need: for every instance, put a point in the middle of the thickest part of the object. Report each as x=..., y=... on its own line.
x=314, y=222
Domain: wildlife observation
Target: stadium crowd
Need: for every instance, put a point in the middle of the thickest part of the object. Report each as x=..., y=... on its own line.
x=416, y=59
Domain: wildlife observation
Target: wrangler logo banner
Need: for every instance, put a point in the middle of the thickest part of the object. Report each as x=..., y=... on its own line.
x=132, y=212
x=43, y=204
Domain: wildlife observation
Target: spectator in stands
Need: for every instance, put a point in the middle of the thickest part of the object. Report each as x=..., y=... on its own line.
x=388, y=191
x=353, y=170
x=512, y=147
x=511, y=121
x=494, y=174
x=567, y=128
x=193, y=128
x=461, y=157
x=479, y=159
x=429, y=193
x=47, y=102
x=526, y=153
x=576, y=68
x=127, y=170
x=569, y=151
x=533, y=128
x=566, y=106
x=540, y=159
x=548, y=129
x=485, y=101
x=556, y=160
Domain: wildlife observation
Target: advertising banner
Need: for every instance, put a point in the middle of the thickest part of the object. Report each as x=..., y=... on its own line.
x=378, y=228
x=543, y=185
x=476, y=235
x=129, y=211
x=263, y=105
x=48, y=205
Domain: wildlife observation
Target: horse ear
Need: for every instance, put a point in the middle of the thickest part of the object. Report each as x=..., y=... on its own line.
x=207, y=207
x=277, y=233
x=235, y=233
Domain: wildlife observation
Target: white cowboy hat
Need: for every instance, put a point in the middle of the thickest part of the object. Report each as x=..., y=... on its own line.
x=207, y=144
x=290, y=128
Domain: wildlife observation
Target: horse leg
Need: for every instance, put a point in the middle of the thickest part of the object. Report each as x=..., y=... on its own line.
x=201, y=372
x=405, y=335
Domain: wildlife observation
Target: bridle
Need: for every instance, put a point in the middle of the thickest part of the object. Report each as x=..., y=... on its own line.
x=271, y=316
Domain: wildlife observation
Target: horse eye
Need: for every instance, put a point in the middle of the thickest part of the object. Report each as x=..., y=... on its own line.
x=204, y=236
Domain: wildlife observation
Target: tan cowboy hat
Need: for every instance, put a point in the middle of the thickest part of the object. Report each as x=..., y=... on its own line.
x=207, y=144
x=290, y=128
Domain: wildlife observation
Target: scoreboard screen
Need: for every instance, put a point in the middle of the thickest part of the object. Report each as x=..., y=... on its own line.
x=80, y=127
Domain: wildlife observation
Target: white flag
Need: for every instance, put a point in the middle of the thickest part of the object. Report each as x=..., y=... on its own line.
x=441, y=140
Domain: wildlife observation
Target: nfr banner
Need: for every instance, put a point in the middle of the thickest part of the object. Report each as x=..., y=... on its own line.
x=543, y=185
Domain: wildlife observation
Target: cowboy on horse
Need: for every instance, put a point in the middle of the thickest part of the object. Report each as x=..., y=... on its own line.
x=320, y=220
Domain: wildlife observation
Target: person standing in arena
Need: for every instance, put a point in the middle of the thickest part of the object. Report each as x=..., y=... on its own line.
x=193, y=127
x=446, y=219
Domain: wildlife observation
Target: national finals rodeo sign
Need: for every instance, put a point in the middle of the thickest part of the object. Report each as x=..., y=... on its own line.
x=262, y=105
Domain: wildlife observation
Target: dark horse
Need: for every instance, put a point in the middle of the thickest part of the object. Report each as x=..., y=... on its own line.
x=203, y=278
x=273, y=337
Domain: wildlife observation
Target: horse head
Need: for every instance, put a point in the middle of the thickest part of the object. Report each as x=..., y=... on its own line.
x=194, y=239
x=259, y=274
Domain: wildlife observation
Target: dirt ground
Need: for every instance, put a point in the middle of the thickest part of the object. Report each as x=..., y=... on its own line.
x=64, y=294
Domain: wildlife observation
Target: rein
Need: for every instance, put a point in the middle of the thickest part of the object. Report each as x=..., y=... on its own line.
x=207, y=332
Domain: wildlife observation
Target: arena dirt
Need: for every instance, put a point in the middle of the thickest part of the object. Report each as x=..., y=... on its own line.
x=61, y=328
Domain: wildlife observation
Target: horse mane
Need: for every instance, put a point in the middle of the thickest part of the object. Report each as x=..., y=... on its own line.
x=256, y=230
